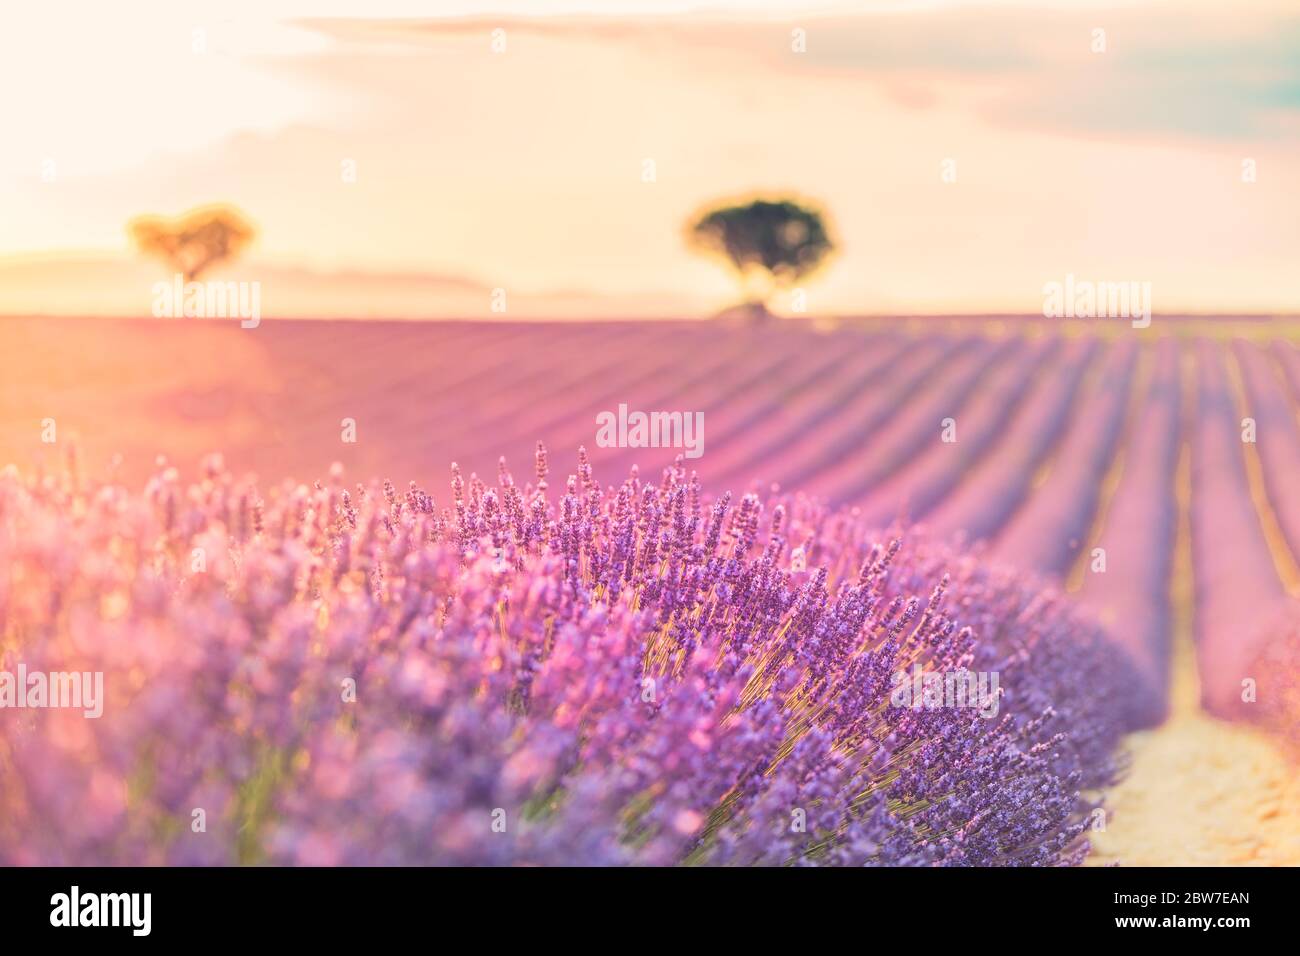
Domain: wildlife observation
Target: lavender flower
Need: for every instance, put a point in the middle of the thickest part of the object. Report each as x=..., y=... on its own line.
x=1274, y=696
x=629, y=674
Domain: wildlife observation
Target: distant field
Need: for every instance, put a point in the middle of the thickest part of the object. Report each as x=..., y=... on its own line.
x=1067, y=438
x=1060, y=440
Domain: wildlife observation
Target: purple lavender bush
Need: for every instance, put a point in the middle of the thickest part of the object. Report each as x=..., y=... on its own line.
x=1274, y=701
x=611, y=675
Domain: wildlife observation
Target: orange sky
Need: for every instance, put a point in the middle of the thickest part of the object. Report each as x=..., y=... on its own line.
x=524, y=169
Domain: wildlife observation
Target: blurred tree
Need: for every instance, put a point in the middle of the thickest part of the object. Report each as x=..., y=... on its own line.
x=770, y=244
x=195, y=240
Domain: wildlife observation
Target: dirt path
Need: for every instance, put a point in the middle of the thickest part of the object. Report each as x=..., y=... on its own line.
x=1203, y=792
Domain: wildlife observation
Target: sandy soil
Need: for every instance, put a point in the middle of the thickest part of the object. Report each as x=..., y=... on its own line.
x=1203, y=792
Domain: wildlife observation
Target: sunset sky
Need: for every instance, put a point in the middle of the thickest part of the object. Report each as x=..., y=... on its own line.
x=523, y=169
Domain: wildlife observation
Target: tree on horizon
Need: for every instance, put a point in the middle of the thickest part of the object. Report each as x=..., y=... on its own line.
x=194, y=241
x=769, y=244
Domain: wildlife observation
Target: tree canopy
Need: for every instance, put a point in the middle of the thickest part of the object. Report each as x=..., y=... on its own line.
x=195, y=241
x=782, y=239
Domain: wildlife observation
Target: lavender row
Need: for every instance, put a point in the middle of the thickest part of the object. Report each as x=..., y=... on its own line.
x=974, y=430
x=1047, y=533
x=1130, y=590
x=995, y=487
x=1238, y=591
x=915, y=423
x=607, y=675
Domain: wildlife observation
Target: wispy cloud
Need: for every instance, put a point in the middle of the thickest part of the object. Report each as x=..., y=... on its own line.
x=1168, y=68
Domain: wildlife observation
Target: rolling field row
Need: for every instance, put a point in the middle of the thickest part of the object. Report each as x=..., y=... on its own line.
x=1036, y=445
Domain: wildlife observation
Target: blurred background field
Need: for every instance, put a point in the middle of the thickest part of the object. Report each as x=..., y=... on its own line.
x=1070, y=436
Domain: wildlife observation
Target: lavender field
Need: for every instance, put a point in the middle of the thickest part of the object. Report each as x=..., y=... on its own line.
x=636, y=657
